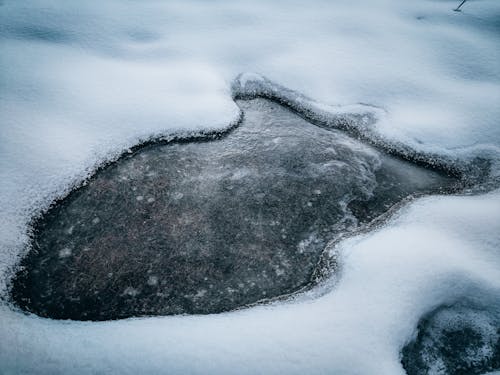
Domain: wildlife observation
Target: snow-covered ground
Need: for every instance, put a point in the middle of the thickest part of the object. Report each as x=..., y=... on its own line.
x=81, y=82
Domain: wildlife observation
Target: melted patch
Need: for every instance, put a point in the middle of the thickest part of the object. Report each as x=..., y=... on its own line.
x=455, y=340
x=206, y=227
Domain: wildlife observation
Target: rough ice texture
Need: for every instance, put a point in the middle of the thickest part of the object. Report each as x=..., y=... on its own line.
x=204, y=226
x=462, y=339
x=359, y=121
x=82, y=82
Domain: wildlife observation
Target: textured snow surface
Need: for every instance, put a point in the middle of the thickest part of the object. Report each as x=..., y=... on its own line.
x=82, y=82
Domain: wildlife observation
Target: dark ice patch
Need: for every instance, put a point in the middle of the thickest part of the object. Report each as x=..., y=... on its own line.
x=205, y=227
x=455, y=340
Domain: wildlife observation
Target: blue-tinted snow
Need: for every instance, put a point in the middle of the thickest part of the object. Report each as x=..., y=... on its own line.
x=81, y=82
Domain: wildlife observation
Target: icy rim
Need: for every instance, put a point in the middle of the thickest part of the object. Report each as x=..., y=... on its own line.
x=358, y=120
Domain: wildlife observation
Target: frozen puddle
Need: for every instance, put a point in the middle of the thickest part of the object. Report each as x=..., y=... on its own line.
x=461, y=340
x=205, y=226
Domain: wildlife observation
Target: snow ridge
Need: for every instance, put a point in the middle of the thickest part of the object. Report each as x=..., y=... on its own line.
x=359, y=120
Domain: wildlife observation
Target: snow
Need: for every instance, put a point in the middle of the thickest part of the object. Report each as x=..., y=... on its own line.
x=83, y=82
x=357, y=327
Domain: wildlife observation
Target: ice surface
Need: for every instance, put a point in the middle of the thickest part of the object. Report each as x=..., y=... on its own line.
x=238, y=219
x=81, y=82
x=460, y=339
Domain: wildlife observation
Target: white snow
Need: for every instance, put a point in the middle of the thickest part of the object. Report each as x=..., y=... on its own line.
x=83, y=81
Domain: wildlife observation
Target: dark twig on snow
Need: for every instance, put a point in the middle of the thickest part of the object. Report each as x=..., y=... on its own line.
x=458, y=7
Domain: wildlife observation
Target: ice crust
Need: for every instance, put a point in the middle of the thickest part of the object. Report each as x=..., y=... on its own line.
x=81, y=83
x=459, y=339
x=221, y=224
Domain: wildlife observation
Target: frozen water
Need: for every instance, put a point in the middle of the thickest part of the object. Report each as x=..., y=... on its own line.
x=233, y=221
x=82, y=82
x=460, y=339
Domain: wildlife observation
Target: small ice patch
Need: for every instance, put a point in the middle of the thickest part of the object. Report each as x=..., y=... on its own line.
x=152, y=280
x=279, y=271
x=305, y=245
x=132, y=292
x=65, y=252
x=201, y=293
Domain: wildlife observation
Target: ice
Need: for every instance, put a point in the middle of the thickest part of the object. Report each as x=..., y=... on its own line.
x=249, y=210
x=460, y=339
x=65, y=252
x=82, y=82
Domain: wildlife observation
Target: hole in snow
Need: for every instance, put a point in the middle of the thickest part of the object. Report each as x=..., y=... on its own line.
x=204, y=227
x=461, y=340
